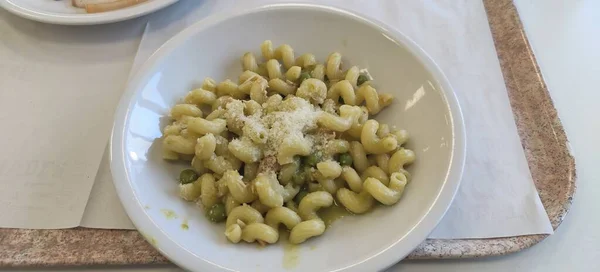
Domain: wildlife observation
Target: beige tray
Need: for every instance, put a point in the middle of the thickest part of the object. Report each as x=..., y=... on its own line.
x=542, y=136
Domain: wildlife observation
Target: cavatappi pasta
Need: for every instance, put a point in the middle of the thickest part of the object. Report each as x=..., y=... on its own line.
x=290, y=137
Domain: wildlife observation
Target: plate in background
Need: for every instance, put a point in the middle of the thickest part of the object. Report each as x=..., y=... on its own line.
x=63, y=13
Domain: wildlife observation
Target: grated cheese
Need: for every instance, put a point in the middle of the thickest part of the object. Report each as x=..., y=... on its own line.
x=292, y=118
x=297, y=117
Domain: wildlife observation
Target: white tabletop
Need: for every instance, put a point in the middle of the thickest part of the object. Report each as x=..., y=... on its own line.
x=565, y=37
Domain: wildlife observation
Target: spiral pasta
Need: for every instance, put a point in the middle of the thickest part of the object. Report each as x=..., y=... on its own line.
x=384, y=194
x=284, y=143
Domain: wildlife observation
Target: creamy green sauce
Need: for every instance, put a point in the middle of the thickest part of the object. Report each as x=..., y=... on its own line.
x=291, y=252
x=333, y=213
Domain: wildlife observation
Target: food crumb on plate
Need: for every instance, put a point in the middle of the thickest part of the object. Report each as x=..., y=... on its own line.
x=184, y=225
x=169, y=214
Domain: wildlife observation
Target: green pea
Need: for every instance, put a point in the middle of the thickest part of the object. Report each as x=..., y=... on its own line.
x=362, y=79
x=216, y=213
x=345, y=159
x=187, y=176
x=303, y=76
x=313, y=159
x=300, y=195
x=300, y=177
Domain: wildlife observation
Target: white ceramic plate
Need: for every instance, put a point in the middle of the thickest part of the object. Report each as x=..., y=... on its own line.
x=61, y=12
x=424, y=104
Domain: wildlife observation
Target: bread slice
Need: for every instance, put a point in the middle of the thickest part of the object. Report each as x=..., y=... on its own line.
x=82, y=3
x=108, y=5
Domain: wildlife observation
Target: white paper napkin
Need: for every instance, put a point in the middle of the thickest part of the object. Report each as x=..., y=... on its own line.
x=497, y=197
x=58, y=88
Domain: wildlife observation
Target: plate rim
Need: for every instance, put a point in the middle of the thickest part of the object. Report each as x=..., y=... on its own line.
x=379, y=261
x=85, y=18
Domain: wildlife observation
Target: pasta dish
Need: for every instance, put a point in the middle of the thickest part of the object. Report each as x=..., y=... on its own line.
x=290, y=137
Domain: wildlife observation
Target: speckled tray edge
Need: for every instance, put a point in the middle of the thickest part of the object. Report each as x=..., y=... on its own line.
x=542, y=136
